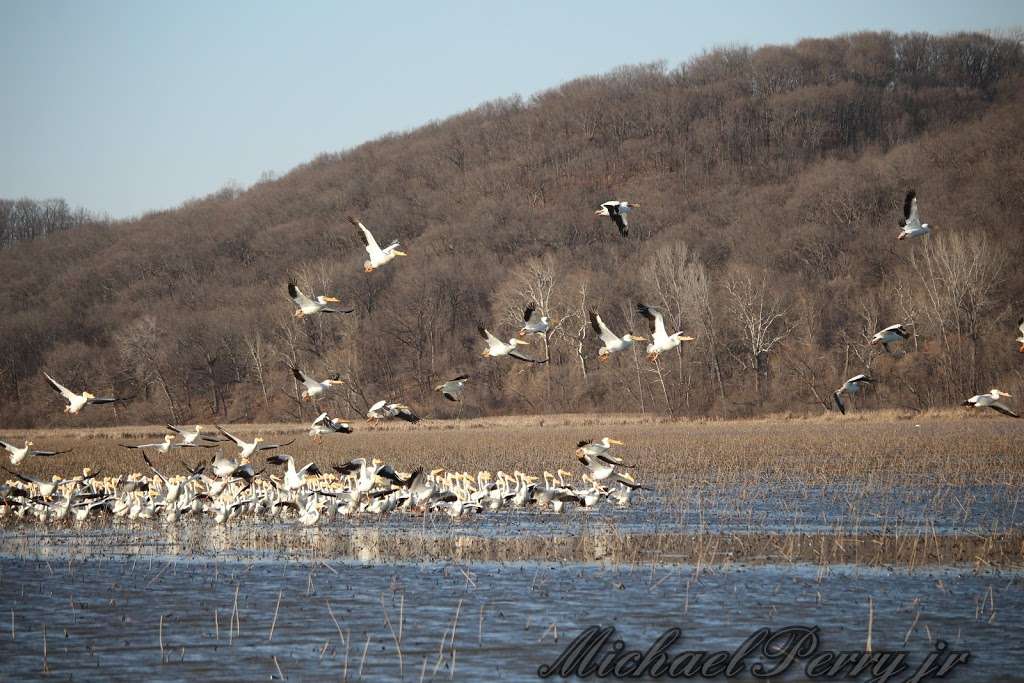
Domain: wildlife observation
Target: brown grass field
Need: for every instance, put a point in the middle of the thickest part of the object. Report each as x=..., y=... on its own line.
x=948, y=448
x=879, y=488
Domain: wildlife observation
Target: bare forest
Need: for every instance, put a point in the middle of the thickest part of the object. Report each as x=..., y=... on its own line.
x=770, y=185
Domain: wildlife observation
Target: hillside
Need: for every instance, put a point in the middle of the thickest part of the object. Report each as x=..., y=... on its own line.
x=770, y=183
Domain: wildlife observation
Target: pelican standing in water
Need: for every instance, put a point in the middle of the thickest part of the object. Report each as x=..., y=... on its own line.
x=378, y=256
x=612, y=343
x=77, y=401
x=661, y=341
x=453, y=388
x=911, y=221
x=534, y=324
x=496, y=347
x=314, y=388
x=617, y=210
x=307, y=306
x=991, y=400
x=850, y=388
x=890, y=335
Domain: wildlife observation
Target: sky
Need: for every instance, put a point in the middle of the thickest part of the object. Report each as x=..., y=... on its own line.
x=123, y=107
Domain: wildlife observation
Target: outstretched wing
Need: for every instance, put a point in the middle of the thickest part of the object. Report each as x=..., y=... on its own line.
x=405, y=413
x=655, y=320
x=60, y=388
x=621, y=223
x=1002, y=409
x=301, y=376
x=910, y=216
x=300, y=299
x=238, y=442
x=272, y=446
x=839, y=403
x=515, y=353
x=528, y=313
x=372, y=248
x=607, y=336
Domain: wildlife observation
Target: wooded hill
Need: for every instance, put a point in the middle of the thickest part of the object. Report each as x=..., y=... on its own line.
x=770, y=184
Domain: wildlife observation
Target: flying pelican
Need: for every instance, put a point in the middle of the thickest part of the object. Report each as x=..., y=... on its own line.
x=327, y=425
x=77, y=401
x=383, y=410
x=911, y=221
x=661, y=341
x=378, y=256
x=890, y=335
x=617, y=211
x=496, y=347
x=1020, y=326
x=163, y=447
x=307, y=306
x=246, y=449
x=850, y=388
x=612, y=343
x=533, y=324
x=18, y=454
x=189, y=438
x=453, y=388
x=314, y=388
x=991, y=400
x=601, y=449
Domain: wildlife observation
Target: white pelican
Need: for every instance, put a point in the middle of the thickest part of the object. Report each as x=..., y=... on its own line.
x=991, y=400
x=163, y=447
x=453, y=388
x=612, y=343
x=890, y=335
x=368, y=472
x=294, y=479
x=314, y=388
x=77, y=401
x=534, y=324
x=1020, y=339
x=328, y=425
x=496, y=347
x=617, y=211
x=307, y=306
x=384, y=410
x=850, y=388
x=18, y=454
x=378, y=256
x=661, y=341
x=246, y=449
x=190, y=438
x=601, y=449
x=47, y=488
x=911, y=221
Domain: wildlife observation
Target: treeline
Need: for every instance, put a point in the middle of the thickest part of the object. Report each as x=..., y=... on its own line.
x=25, y=219
x=770, y=183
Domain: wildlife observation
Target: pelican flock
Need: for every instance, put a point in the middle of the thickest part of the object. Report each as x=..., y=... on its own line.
x=225, y=487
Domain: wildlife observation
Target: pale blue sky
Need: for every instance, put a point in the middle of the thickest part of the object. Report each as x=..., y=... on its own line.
x=124, y=107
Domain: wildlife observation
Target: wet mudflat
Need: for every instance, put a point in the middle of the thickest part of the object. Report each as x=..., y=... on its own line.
x=161, y=618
